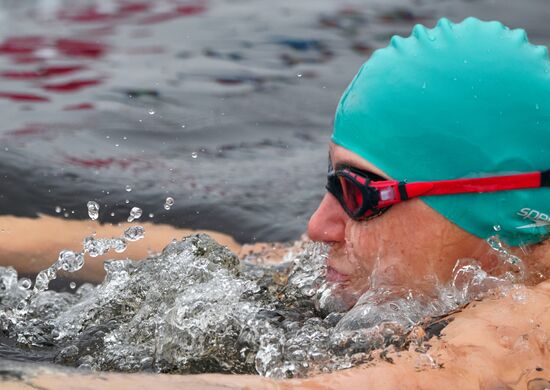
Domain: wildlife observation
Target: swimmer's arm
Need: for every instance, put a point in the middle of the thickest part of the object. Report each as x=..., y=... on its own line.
x=492, y=344
x=33, y=244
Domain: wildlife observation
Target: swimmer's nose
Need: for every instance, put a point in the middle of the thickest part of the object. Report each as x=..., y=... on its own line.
x=328, y=222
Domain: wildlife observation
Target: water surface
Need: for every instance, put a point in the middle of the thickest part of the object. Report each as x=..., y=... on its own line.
x=224, y=105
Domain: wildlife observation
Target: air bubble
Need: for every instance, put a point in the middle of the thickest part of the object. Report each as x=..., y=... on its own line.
x=151, y=112
x=128, y=188
x=194, y=155
x=72, y=285
x=93, y=210
x=57, y=209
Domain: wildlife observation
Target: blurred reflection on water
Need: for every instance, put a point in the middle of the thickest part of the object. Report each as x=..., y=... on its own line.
x=224, y=105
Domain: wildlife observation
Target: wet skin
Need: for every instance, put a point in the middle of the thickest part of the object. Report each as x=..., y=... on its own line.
x=410, y=245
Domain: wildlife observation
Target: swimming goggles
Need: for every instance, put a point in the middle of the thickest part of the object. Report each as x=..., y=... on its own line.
x=365, y=195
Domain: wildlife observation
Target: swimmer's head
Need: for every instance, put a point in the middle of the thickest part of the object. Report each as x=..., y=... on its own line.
x=458, y=101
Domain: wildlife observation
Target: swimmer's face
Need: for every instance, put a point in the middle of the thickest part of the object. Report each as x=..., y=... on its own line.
x=409, y=246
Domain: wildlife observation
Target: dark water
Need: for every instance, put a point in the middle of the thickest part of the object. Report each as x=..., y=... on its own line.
x=224, y=105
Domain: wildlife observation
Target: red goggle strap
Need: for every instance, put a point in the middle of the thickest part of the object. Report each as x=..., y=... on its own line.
x=392, y=191
x=483, y=184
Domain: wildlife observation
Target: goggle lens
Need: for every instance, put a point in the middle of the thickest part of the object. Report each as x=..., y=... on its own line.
x=350, y=186
x=351, y=194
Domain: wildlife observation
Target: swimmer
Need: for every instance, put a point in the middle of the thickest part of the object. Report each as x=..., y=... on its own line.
x=440, y=142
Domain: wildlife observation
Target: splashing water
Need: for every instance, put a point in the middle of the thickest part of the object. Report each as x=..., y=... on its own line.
x=168, y=203
x=134, y=233
x=195, y=308
x=93, y=210
x=135, y=213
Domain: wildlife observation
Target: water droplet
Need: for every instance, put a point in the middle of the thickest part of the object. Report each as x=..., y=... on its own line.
x=424, y=85
x=96, y=247
x=66, y=214
x=57, y=209
x=135, y=213
x=43, y=279
x=537, y=107
x=127, y=201
x=183, y=126
x=151, y=215
x=24, y=283
x=93, y=210
x=299, y=75
x=151, y=112
x=134, y=233
x=497, y=228
x=194, y=155
x=128, y=188
x=70, y=261
x=168, y=203
x=112, y=214
x=72, y=285
x=119, y=244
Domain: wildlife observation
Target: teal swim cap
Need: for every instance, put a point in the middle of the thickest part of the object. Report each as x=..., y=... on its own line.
x=460, y=100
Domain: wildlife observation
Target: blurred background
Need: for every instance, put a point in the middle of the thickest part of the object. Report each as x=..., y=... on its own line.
x=224, y=105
